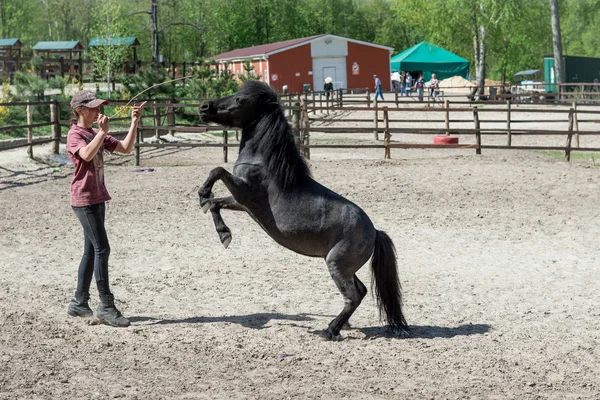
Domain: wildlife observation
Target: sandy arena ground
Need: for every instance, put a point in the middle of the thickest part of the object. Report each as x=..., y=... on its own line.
x=498, y=257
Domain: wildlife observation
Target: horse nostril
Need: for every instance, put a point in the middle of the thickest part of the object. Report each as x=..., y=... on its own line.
x=204, y=106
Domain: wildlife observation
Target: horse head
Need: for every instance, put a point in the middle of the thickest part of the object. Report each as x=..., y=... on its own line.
x=247, y=106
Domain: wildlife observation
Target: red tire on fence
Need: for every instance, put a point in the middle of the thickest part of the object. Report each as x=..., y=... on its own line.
x=445, y=140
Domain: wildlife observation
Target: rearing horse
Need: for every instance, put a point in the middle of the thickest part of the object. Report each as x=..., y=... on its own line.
x=272, y=183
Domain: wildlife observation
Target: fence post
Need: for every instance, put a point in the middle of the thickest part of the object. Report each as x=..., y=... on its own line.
x=225, y=141
x=29, y=129
x=171, y=117
x=54, y=117
x=376, y=122
x=321, y=102
x=368, y=98
x=386, y=132
x=447, y=116
x=569, y=135
x=305, y=132
x=576, y=124
x=314, y=111
x=559, y=94
x=296, y=126
x=341, y=98
x=156, y=111
x=477, y=130
x=396, y=97
x=508, y=131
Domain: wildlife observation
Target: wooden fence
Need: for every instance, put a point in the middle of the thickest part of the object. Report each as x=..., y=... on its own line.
x=380, y=124
x=162, y=120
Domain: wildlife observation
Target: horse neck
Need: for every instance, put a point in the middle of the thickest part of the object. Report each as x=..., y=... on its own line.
x=270, y=137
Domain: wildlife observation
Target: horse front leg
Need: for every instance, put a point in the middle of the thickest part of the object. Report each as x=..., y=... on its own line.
x=205, y=191
x=227, y=203
x=236, y=186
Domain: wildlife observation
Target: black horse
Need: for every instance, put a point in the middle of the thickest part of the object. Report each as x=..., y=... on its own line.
x=272, y=183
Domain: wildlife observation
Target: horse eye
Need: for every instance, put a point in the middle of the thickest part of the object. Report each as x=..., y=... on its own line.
x=240, y=101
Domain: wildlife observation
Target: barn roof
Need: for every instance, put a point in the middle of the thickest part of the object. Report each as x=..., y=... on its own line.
x=115, y=41
x=263, y=49
x=57, y=46
x=272, y=48
x=10, y=42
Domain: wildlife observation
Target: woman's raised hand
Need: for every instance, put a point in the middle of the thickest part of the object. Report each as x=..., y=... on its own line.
x=136, y=113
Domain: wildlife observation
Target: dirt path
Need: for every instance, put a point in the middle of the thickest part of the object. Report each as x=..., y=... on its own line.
x=498, y=258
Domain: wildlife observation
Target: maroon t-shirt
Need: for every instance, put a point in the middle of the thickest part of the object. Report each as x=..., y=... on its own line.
x=87, y=186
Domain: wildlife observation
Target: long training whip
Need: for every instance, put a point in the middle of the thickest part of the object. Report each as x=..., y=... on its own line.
x=145, y=90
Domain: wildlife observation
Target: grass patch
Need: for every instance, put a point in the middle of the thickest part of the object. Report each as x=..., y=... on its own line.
x=22, y=132
x=593, y=157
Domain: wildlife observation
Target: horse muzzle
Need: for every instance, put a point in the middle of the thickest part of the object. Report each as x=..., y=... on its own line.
x=206, y=110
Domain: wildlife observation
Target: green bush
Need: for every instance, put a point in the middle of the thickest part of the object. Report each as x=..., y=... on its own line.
x=29, y=86
x=147, y=78
x=60, y=82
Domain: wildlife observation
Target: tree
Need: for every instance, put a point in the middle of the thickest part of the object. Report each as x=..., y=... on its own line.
x=110, y=54
x=579, y=27
x=556, y=41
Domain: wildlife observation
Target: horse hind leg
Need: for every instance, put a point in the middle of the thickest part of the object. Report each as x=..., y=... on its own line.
x=353, y=291
x=363, y=291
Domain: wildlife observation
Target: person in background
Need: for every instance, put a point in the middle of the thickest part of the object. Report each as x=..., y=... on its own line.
x=419, y=86
x=395, y=78
x=434, y=86
x=378, y=88
x=408, y=83
x=85, y=147
x=402, y=82
x=328, y=87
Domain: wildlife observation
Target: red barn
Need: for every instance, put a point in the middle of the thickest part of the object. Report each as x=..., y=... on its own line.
x=308, y=61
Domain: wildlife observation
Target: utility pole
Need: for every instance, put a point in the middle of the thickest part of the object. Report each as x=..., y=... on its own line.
x=109, y=48
x=154, y=29
x=556, y=42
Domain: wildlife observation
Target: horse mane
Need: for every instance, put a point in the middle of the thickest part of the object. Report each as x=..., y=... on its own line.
x=276, y=144
x=275, y=140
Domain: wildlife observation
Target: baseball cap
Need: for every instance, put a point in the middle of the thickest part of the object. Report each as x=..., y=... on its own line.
x=86, y=98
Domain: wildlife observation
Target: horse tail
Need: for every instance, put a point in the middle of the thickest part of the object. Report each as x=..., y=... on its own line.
x=385, y=284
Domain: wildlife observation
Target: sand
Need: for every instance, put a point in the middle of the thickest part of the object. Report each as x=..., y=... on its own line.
x=498, y=258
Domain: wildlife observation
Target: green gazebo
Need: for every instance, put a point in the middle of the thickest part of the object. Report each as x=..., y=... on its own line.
x=430, y=59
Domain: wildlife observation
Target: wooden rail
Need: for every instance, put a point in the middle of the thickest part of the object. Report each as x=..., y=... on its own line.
x=163, y=121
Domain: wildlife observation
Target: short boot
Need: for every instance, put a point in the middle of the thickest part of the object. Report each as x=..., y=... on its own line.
x=78, y=307
x=108, y=314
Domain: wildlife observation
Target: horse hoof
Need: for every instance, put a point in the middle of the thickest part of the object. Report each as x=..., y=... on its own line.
x=206, y=202
x=225, y=239
x=328, y=336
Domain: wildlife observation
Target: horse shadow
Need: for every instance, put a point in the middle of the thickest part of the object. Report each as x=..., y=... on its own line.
x=252, y=321
x=426, y=331
x=260, y=321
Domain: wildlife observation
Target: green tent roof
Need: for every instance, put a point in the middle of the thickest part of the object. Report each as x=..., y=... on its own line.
x=9, y=42
x=116, y=41
x=46, y=46
x=430, y=59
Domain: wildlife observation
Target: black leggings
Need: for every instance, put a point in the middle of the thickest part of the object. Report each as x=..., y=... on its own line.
x=95, y=249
